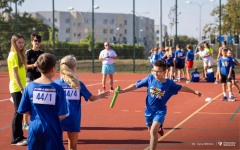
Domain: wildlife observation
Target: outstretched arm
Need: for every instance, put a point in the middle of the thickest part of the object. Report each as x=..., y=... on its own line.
x=131, y=87
x=187, y=89
x=100, y=95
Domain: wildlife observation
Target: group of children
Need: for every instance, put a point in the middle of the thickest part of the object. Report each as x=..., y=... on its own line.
x=55, y=106
x=176, y=61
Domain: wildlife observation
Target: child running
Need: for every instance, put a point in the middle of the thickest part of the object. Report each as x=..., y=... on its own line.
x=159, y=92
x=74, y=90
x=45, y=101
x=225, y=66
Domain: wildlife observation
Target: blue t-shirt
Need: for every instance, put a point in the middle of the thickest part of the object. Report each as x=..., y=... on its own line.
x=195, y=76
x=190, y=55
x=46, y=102
x=225, y=64
x=73, y=120
x=180, y=54
x=233, y=62
x=170, y=59
x=158, y=93
x=154, y=59
x=160, y=55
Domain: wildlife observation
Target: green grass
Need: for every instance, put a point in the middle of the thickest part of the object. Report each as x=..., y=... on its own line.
x=121, y=66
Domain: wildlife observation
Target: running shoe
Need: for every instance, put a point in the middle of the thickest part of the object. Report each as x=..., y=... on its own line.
x=224, y=98
x=161, y=131
x=23, y=142
x=216, y=82
x=188, y=81
x=231, y=99
x=104, y=89
x=112, y=89
x=26, y=127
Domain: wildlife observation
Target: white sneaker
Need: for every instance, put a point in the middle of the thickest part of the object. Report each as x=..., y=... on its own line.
x=178, y=80
x=188, y=81
x=231, y=99
x=203, y=78
x=216, y=82
x=21, y=143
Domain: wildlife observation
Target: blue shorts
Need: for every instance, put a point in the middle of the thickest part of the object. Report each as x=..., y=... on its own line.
x=108, y=69
x=151, y=116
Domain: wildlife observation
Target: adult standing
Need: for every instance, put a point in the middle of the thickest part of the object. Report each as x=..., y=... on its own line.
x=207, y=59
x=107, y=56
x=32, y=70
x=17, y=74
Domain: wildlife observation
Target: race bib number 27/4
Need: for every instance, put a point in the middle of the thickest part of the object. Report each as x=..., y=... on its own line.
x=44, y=96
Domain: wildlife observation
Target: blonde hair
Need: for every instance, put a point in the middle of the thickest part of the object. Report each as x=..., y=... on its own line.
x=66, y=71
x=20, y=53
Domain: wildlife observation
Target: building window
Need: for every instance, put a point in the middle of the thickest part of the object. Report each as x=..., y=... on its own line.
x=74, y=34
x=111, y=31
x=104, y=31
x=157, y=38
x=79, y=24
x=112, y=21
x=105, y=40
x=86, y=21
x=120, y=25
x=74, y=24
x=67, y=30
x=125, y=22
x=157, y=31
x=67, y=39
x=105, y=21
x=79, y=34
x=49, y=19
x=125, y=31
x=55, y=20
x=67, y=20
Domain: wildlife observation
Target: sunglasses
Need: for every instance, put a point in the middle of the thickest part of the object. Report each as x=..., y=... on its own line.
x=106, y=45
x=37, y=41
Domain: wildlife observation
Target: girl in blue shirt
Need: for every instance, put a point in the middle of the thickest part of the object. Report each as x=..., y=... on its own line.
x=74, y=90
x=159, y=91
x=154, y=56
x=45, y=101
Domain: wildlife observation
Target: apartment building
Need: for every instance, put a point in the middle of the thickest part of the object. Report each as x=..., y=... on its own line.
x=157, y=34
x=112, y=27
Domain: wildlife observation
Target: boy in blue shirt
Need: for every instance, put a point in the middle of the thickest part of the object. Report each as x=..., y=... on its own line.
x=159, y=92
x=45, y=101
x=179, y=62
x=195, y=75
x=189, y=62
x=225, y=66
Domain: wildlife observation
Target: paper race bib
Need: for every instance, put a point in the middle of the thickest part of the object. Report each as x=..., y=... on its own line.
x=44, y=96
x=72, y=94
x=195, y=75
x=180, y=54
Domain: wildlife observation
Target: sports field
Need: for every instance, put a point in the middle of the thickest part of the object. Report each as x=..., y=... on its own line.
x=191, y=122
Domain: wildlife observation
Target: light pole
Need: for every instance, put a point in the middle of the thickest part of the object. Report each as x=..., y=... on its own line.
x=83, y=17
x=200, y=13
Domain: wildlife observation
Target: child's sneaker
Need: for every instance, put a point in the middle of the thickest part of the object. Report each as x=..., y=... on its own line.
x=178, y=80
x=161, y=131
x=26, y=127
x=231, y=99
x=224, y=98
x=188, y=81
x=112, y=89
x=216, y=82
x=103, y=89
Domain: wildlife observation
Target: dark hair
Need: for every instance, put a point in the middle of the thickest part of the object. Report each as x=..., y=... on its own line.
x=224, y=42
x=189, y=46
x=37, y=36
x=46, y=62
x=178, y=45
x=162, y=64
x=224, y=49
x=207, y=45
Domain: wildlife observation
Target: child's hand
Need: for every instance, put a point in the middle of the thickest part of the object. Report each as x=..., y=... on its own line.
x=103, y=94
x=198, y=93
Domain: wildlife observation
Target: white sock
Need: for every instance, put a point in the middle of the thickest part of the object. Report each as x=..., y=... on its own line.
x=230, y=94
x=224, y=94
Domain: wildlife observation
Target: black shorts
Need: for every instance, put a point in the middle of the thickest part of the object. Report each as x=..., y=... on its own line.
x=225, y=79
x=170, y=65
x=179, y=65
x=233, y=75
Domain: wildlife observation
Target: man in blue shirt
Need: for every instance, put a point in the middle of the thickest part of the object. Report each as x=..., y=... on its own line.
x=159, y=92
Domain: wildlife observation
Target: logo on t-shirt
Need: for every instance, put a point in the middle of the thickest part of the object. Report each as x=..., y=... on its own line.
x=156, y=92
x=225, y=63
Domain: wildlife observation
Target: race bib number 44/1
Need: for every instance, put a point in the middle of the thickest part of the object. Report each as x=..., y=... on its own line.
x=44, y=97
x=72, y=94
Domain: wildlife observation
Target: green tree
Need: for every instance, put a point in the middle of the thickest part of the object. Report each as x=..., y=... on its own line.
x=230, y=19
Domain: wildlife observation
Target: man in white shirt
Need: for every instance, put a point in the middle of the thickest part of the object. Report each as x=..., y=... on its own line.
x=107, y=56
x=207, y=59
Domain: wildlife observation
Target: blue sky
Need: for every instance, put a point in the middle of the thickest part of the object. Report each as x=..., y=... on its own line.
x=188, y=19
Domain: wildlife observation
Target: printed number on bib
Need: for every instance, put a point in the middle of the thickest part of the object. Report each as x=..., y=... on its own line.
x=72, y=94
x=43, y=97
x=196, y=75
